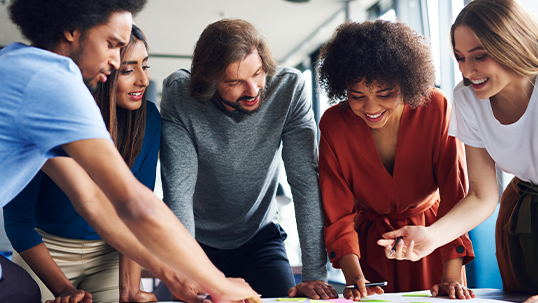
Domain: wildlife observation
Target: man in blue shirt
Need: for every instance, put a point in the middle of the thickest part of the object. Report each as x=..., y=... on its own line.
x=46, y=112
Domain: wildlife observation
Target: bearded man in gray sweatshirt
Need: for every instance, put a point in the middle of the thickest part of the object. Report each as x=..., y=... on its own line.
x=227, y=125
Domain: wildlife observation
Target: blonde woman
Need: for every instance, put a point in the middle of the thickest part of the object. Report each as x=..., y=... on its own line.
x=496, y=45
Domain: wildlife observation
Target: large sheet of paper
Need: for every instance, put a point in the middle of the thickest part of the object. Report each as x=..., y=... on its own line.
x=403, y=297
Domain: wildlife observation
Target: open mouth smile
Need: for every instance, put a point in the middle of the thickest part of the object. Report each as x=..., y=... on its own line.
x=374, y=116
x=478, y=81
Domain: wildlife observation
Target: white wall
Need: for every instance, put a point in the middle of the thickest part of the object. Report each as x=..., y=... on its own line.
x=531, y=4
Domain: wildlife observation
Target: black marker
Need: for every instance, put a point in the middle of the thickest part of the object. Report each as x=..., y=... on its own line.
x=384, y=283
x=394, y=247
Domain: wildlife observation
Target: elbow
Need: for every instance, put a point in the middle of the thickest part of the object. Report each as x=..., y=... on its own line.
x=136, y=206
x=488, y=200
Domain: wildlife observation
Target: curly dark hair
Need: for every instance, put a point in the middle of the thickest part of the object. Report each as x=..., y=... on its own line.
x=222, y=43
x=389, y=53
x=44, y=22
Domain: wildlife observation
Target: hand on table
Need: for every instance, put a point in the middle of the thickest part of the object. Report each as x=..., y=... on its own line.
x=185, y=289
x=417, y=243
x=453, y=289
x=72, y=295
x=237, y=290
x=137, y=295
x=313, y=290
x=356, y=294
x=533, y=299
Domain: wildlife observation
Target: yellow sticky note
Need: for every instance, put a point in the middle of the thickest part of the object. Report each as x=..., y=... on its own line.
x=291, y=299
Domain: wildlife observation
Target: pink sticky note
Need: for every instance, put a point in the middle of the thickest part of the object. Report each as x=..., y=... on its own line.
x=341, y=300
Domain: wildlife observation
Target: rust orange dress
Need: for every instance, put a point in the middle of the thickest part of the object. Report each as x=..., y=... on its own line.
x=362, y=200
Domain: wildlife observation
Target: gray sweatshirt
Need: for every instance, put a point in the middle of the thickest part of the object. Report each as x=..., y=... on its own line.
x=220, y=168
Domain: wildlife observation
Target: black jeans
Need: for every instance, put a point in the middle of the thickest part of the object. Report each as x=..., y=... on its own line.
x=16, y=285
x=262, y=262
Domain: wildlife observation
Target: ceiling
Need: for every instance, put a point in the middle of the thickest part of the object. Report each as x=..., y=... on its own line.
x=172, y=27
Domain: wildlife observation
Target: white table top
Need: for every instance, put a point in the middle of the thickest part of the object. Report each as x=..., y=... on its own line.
x=483, y=296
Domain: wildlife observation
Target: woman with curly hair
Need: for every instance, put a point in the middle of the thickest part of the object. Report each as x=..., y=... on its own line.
x=386, y=159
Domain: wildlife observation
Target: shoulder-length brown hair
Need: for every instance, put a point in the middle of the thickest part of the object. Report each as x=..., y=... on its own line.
x=221, y=44
x=126, y=127
x=507, y=30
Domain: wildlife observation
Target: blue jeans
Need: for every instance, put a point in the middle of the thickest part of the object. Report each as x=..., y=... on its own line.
x=262, y=262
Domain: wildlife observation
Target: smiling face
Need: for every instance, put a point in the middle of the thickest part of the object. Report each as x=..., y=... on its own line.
x=488, y=77
x=133, y=78
x=375, y=104
x=97, y=51
x=242, y=89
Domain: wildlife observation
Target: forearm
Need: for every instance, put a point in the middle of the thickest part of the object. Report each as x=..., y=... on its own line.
x=157, y=229
x=102, y=216
x=466, y=215
x=130, y=275
x=310, y=230
x=161, y=232
x=452, y=270
x=354, y=276
x=300, y=161
x=44, y=266
x=351, y=268
x=479, y=204
x=130, y=271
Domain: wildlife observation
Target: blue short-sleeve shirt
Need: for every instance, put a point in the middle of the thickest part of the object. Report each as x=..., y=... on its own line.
x=44, y=104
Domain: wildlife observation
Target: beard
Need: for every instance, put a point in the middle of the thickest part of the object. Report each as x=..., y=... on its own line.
x=237, y=106
x=90, y=86
x=76, y=56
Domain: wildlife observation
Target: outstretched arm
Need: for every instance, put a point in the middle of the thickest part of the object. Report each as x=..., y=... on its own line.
x=480, y=203
x=154, y=225
x=91, y=203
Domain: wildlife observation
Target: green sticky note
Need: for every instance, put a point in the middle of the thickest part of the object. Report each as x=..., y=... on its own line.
x=291, y=299
x=416, y=295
